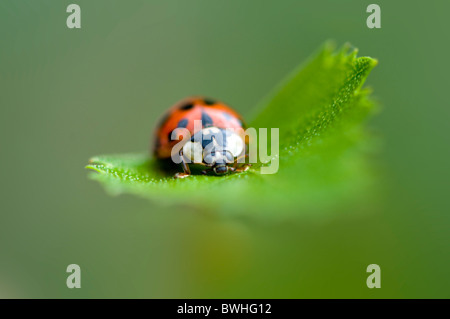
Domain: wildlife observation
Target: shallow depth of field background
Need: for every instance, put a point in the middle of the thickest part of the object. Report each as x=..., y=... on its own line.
x=67, y=95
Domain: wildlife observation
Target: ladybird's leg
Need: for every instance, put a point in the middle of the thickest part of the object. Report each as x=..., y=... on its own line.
x=236, y=161
x=243, y=168
x=186, y=170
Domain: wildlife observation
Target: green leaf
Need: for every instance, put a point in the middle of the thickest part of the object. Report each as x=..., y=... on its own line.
x=323, y=159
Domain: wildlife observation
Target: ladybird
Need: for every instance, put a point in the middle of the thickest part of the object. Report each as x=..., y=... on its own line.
x=216, y=147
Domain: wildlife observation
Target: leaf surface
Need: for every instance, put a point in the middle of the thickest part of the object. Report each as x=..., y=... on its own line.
x=323, y=149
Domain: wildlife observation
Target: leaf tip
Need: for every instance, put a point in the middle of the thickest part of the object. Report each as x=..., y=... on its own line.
x=93, y=167
x=374, y=61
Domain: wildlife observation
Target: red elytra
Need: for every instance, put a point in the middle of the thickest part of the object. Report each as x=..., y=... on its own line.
x=212, y=113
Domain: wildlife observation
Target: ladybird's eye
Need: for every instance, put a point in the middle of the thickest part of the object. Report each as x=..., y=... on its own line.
x=234, y=144
x=193, y=151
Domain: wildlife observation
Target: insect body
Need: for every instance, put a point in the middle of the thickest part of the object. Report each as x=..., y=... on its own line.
x=214, y=147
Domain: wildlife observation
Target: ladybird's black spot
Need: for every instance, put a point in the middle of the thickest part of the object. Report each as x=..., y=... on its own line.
x=209, y=101
x=206, y=120
x=183, y=123
x=186, y=106
x=205, y=142
x=220, y=138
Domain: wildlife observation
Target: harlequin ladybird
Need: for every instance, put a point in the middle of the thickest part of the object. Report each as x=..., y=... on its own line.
x=215, y=147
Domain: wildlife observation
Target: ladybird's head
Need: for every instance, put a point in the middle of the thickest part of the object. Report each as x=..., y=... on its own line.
x=214, y=147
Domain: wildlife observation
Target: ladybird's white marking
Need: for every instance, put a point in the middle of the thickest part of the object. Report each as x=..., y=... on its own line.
x=229, y=158
x=211, y=130
x=209, y=159
x=193, y=151
x=234, y=144
x=215, y=144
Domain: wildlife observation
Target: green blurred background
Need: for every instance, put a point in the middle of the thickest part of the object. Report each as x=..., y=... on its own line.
x=67, y=95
